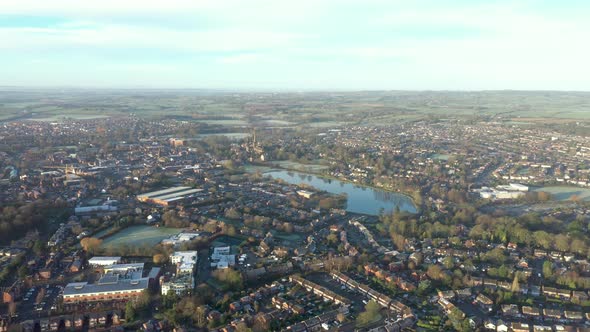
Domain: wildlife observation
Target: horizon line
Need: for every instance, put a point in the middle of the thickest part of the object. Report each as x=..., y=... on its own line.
x=244, y=89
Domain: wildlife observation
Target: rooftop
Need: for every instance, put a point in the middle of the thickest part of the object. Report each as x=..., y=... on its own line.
x=161, y=192
x=112, y=284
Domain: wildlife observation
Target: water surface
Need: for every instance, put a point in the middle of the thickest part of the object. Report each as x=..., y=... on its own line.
x=359, y=199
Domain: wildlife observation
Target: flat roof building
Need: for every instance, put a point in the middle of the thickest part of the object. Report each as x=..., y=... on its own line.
x=167, y=196
x=183, y=282
x=103, y=260
x=108, y=288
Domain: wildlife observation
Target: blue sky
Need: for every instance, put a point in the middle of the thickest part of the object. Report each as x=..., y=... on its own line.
x=296, y=45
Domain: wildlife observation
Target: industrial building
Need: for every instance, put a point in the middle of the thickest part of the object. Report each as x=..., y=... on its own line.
x=168, y=196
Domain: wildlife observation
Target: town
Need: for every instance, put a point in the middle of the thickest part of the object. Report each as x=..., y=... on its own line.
x=211, y=221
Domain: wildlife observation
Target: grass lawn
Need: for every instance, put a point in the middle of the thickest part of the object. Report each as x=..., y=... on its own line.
x=375, y=320
x=564, y=193
x=139, y=235
x=313, y=168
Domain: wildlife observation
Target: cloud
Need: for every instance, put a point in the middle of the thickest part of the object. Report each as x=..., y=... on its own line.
x=112, y=36
x=372, y=43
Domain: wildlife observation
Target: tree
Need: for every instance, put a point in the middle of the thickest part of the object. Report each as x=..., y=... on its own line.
x=242, y=327
x=130, y=313
x=578, y=246
x=229, y=230
x=449, y=262
x=423, y=287
x=260, y=324
x=435, y=272
x=39, y=248
x=547, y=269
x=515, y=285
x=398, y=240
x=562, y=242
x=170, y=299
x=233, y=213
x=458, y=320
x=90, y=244
x=370, y=314
x=171, y=219
x=544, y=196
x=23, y=271
x=543, y=239
x=160, y=259
x=200, y=318
x=332, y=238
x=230, y=278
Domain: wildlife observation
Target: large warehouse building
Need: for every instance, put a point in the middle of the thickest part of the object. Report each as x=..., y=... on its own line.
x=168, y=196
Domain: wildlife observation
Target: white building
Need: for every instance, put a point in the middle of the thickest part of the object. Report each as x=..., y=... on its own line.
x=184, y=256
x=305, y=193
x=221, y=251
x=135, y=270
x=180, y=238
x=120, y=282
x=511, y=191
x=519, y=187
x=103, y=261
x=183, y=281
x=221, y=258
x=179, y=286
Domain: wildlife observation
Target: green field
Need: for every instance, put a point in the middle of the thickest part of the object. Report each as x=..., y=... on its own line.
x=71, y=116
x=278, y=123
x=313, y=168
x=564, y=193
x=233, y=136
x=139, y=235
x=226, y=240
x=292, y=237
x=439, y=156
x=225, y=122
x=326, y=124
x=317, y=110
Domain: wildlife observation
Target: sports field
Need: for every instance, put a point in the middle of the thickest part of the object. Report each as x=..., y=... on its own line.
x=139, y=235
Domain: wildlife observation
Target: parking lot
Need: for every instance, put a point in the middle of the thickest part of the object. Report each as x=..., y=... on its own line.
x=40, y=301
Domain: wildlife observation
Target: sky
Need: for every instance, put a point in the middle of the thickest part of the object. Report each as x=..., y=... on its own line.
x=296, y=44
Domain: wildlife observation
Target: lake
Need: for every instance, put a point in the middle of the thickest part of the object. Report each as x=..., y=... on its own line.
x=359, y=199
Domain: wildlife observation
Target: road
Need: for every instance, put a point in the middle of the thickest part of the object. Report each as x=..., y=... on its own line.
x=203, y=267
